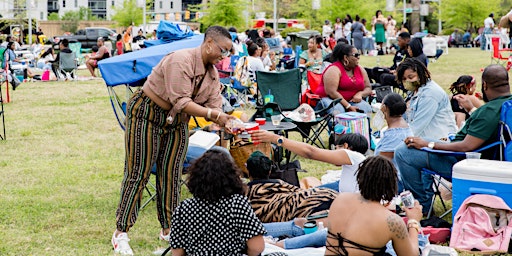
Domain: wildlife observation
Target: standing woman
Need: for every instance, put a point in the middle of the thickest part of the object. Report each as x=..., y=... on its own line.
x=488, y=28
x=380, y=30
x=185, y=83
x=344, y=79
x=347, y=29
x=338, y=29
x=127, y=40
x=358, y=32
x=429, y=112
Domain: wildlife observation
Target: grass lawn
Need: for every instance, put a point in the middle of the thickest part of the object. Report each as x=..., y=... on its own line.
x=62, y=164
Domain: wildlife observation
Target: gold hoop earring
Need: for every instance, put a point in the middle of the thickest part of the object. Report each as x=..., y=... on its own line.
x=345, y=63
x=209, y=50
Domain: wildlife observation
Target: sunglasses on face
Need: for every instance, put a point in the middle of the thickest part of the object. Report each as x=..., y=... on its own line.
x=357, y=55
x=223, y=52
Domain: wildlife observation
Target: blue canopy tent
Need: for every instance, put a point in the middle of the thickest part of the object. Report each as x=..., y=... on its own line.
x=131, y=69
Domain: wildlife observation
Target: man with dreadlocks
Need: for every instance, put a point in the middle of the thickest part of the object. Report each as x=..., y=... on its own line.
x=481, y=129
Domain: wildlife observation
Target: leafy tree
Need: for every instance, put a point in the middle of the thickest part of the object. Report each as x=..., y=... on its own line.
x=329, y=10
x=53, y=16
x=70, y=20
x=467, y=14
x=128, y=14
x=222, y=12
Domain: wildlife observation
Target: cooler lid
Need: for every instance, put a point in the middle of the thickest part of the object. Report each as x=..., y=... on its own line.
x=350, y=115
x=483, y=170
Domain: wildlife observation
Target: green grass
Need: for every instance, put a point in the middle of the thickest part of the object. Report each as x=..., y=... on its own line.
x=62, y=163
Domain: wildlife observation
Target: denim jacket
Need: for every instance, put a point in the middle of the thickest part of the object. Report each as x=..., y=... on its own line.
x=430, y=114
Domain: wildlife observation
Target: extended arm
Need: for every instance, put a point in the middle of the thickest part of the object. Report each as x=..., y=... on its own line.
x=337, y=157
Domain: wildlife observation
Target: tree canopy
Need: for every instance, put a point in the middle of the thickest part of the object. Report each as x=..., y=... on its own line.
x=128, y=14
x=225, y=13
x=469, y=13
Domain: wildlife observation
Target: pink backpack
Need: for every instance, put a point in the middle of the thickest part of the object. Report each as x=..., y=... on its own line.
x=482, y=223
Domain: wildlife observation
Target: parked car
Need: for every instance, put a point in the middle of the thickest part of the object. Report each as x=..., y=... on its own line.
x=87, y=36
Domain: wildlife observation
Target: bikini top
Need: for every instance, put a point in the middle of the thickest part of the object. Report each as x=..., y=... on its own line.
x=343, y=244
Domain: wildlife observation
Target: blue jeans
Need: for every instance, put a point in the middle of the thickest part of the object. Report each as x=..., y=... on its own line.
x=279, y=229
x=298, y=238
x=410, y=162
x=315, y=239
x=333, y=185
x=324, y=102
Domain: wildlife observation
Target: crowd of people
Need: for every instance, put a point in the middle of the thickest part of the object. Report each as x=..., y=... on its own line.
x=227, y=216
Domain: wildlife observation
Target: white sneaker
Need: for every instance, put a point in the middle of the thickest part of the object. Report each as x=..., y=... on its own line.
x=121, y=245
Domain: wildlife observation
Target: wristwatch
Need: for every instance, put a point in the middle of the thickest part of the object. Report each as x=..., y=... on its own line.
x=280, y=141
x=431, y=145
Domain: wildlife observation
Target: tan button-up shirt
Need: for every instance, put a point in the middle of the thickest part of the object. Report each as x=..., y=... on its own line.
x=176, y=76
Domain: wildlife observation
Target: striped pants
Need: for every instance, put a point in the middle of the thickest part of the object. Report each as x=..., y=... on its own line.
x=149, y=139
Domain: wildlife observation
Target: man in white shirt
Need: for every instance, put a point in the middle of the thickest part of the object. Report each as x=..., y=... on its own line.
x=488, y=27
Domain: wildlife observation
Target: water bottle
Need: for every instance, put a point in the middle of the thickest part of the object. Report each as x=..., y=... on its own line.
x=378, y=60
x=282, y=66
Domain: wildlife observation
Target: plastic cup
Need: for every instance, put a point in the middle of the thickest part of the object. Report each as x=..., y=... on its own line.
x=473, y=155
x=276, y=119
x=252, y=127
x=261, y=121
x=310, y=227
x=268, y=98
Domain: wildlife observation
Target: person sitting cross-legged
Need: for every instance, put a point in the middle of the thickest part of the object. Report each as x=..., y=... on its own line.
x=480, y=129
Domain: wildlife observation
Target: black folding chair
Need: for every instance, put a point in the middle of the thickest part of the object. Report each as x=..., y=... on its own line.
x=285, y=86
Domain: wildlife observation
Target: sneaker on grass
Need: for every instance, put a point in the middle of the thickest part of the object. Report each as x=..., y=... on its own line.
x=121, y=245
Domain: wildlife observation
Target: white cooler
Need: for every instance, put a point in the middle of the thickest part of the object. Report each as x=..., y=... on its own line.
x=481, y=176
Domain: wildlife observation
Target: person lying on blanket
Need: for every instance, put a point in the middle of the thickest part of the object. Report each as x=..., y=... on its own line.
x=275, y=200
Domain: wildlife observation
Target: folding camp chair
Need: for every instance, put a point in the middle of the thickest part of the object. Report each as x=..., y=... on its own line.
x=67, y=66
x=500, y=56
x=285, y=86
x=76, y=47
x=503, y=151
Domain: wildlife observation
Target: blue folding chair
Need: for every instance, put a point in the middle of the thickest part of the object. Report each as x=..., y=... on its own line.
x=503, y=152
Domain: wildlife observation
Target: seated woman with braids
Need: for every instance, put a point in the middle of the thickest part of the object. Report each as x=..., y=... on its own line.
x=360, y=223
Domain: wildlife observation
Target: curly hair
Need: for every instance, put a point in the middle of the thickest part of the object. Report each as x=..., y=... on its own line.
x=414, y=65
x=340, y=51
x=461, y=85
x=377, y=179
x=213, y=176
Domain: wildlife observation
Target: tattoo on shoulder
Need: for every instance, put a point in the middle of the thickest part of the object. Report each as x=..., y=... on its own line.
x=396, y=226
